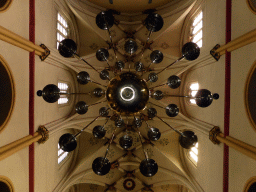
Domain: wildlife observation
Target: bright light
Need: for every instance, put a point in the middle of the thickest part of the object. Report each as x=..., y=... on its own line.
x=194, y=86
x=198, y=18
x=128, y=92
x=195, y=150
x=193, y=155
x=193, y=101
x=193, y=93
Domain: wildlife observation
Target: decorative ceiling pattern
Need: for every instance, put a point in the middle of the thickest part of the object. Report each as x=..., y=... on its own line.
x=124, y=174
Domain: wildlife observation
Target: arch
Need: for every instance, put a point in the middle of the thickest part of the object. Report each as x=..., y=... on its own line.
x=252, y=6
x=7, y=184
x=249, y=183
x=7, y=99
x=249, y=85
x=164, y=170
x=5, y=5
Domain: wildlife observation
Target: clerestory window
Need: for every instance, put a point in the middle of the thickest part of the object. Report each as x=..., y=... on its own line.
x=62, y=29
x=197, y=30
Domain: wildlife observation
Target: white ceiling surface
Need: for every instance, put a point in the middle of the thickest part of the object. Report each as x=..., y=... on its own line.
x=91, y=39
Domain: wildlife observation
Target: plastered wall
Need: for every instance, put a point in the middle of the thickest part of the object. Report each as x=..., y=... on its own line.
x=209, y=170
x=15, y=167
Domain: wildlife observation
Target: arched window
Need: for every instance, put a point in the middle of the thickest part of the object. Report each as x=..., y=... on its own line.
x=192, y=154
x=61, y=154
x=196, y=35
x=64, y=88
x=193, y=88
x=62, y=28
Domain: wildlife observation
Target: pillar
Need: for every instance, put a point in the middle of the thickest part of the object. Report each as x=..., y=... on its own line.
x=41, y=136
x=217, y=137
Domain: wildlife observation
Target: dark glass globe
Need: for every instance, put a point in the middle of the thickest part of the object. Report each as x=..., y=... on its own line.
x=67, y=142
x=188, y=140
x=102, y=54
x=190, y=51
x=81, y=107
x=154, y=134
x=154, y=22
x=125, y=142
x=101, y=166
x=99, y=131
x=83, y=77
x=50, y=93
x=172, y=110
x=67, y=48
x=105, y=20
x=148, y=167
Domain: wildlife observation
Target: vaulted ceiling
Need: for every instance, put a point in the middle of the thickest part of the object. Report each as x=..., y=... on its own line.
x=173, y=173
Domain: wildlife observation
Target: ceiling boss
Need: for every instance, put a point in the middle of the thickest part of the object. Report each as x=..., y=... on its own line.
x=128, y=93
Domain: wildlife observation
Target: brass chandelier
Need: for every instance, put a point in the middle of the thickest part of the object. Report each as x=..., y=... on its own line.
x=128, y=93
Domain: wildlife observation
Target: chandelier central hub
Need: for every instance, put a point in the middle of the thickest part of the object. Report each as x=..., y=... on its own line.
x=127, y=93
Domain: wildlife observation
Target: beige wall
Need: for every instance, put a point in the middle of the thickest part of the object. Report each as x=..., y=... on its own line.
x=15, y=167
x=209, y=170
x=241, y=167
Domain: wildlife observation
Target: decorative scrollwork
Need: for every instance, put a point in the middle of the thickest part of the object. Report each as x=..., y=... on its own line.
x=213, y=134
x=45, y=134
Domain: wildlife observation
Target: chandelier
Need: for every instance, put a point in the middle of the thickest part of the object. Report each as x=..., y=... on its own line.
x=128, y=93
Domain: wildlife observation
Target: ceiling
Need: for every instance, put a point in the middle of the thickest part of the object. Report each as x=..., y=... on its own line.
x=91, y=38
x=127, y=6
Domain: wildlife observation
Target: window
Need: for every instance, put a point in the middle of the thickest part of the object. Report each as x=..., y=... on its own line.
x=193, y=154
x=194, y=87
x=196, y=30
x=64, y=88
x=62, y=29
x=61, y=154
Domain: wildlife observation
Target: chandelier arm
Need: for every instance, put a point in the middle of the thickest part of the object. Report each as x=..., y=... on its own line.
x=181, y=96
x=145, y=153
x=107, y=120
x=150, y=32
x=147, y=124
x=76, y=135
x=144, y=47
x=110, y=37
x=78, y=57
x=171, y=127
x=156, y=105
x=98, y=83
x=97, y=103
x=112, y=138
x=75, y=93
x=171, y=64
x=158, y=86
x=107, y=63
x=150, y=64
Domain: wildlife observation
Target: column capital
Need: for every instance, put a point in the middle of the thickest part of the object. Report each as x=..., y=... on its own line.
x=45, y=134
x=213, y=133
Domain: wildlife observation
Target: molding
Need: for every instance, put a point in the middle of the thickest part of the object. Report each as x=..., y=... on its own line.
x=251, y=7
x=7, y=120
x=8, y=182
x=249, y=183
x=6, y=6
x=246, y=90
